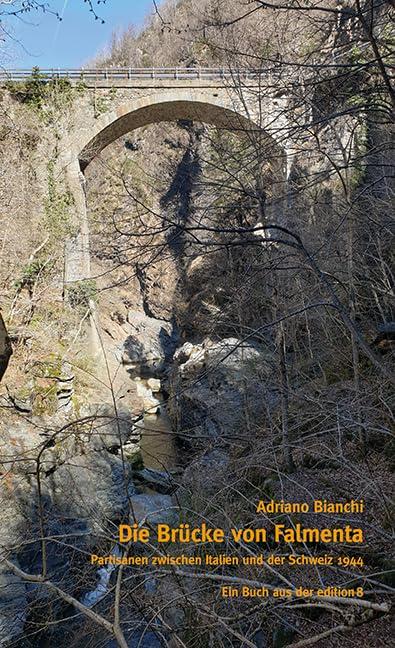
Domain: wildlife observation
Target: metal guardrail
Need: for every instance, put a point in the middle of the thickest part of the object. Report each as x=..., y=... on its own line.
x=103, y=74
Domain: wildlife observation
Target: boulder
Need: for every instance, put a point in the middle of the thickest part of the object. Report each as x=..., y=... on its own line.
x=153, y=509
x=230, y=354
x=159, y=481
x=151, y=404
x=205, y=473
x=154, y=384
x=149, y=345
x=94, y=487
x=132, y=453
x=108, y=428
x=13, y=606
x=190, y=357
x=22, y=441
x=84, y=489
x=211, y=382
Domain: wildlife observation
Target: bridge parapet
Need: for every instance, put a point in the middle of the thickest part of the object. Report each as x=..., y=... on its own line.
x=129, y=77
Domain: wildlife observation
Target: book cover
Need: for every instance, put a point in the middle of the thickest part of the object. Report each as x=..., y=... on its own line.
x=197, y=326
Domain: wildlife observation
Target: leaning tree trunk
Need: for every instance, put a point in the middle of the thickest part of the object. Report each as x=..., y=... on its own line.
x=5, y=348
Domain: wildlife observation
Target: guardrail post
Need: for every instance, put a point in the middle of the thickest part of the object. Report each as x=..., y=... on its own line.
x=176, y=73
x=129, y=73
x=199, y=72
x=105, y=74
x=153, y=73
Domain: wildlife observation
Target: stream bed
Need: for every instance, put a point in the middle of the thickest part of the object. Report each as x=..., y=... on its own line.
x=158, y=453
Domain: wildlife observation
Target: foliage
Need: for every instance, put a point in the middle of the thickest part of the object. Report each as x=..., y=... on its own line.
x=101, y=104
x=47, y=97
x=30, y=273
x=80, y=293
x=57, y=208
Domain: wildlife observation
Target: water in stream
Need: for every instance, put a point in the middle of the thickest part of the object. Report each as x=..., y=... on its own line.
x=158, y=449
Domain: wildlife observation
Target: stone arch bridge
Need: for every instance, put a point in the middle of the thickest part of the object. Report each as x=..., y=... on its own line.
x=119, y=100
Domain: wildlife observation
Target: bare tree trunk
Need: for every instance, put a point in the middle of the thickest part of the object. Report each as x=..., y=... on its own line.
x=289, y=462
x=354, y=342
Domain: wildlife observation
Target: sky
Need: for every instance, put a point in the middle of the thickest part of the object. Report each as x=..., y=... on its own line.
x=41, y=40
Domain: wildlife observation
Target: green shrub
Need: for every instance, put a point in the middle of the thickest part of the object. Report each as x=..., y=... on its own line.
x=30, y=274
x=57, y=207
x=46, y=96
x=81, y=293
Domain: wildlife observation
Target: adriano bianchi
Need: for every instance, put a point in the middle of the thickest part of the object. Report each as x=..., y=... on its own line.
x=318, y=506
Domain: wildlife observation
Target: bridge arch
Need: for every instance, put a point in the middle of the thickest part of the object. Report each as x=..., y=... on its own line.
x=215, y=106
